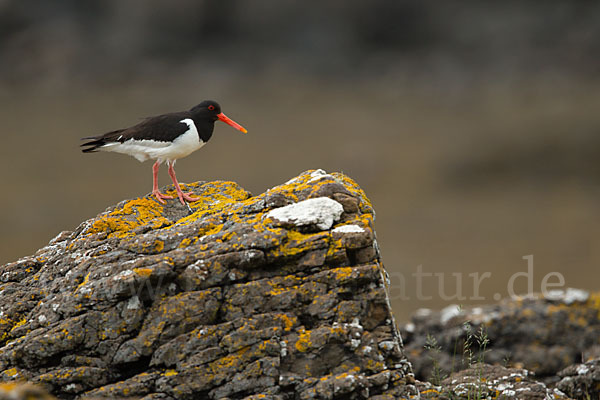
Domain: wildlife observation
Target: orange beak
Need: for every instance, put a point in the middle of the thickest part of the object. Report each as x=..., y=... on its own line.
x=231, y=122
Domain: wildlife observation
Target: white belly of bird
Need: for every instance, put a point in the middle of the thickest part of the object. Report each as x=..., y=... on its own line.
x=143, y=150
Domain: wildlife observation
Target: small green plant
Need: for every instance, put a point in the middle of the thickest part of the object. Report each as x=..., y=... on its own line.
x=467, y=352
x=454, y=351
x=482, y=341
x=437, y=374
x=474, y=349
x=475, y=358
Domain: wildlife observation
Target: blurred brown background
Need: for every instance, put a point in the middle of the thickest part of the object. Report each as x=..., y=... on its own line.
x=473, y=126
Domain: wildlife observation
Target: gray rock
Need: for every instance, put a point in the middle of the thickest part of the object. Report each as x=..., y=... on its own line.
x=483, y=381
x=280, y=295
x=581, y=381
x=541, y=334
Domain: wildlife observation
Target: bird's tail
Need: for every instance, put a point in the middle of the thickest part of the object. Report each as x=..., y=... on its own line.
x=95, y=142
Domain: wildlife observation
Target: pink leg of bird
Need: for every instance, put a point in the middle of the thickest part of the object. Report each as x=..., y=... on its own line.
x=182, y=196
x=159, y=196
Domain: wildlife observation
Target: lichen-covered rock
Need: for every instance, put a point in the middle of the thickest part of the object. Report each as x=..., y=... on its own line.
x=483, y=381
x=541, y=334
x=280, y=296
x=581, y=381
x=23, y=391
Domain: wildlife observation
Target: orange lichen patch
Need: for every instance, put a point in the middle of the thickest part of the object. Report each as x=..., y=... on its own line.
x=290, y=283
x=594, y=302
x=134, y=213
x=554, y=308
x=527, y=312
x=345, y=375
x=229, y=361
x=297, y=243
x=11, y=372
x=430, y=391
x=159, y=246
x=145, y=272
x=188, y=242
x=375, y=366
x=216, y=197
x=8, y=386
x=335, y=245
x=170, y=372
x=343, y=273
x=311, y=182
x=22, y=322
x=577, y=312
x=6, y=325
x=277, y=290
x=84, y=282
x=303, y=343
x=287, y=321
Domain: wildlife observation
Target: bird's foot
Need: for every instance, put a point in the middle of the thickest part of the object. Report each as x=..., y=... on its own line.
x=183, y=197
x=161, y=197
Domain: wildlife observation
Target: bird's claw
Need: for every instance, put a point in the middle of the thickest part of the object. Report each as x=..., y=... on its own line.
x=161, y=197
x=183, y=197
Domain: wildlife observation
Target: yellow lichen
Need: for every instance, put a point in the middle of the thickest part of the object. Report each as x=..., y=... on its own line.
x=287, y=321
x=343, y=273
x=22, y=322
x=303, y=343
x=134, y=213
x=86, y=279
x=430, y=391
x=229, y=361
x=594, y=302
x=145, y=272
x=12, y=372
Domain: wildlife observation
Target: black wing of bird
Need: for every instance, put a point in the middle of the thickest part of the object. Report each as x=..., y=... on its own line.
x=162, y=128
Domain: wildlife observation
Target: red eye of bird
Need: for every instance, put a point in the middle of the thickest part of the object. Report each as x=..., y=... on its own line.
x=211, y=107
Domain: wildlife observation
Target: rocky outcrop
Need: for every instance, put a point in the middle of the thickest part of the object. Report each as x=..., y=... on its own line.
x=581, y=381
x=483, y=381
x=279, y=296
x=541, y=334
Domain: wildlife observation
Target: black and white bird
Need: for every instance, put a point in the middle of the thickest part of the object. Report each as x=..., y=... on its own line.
x=164, y=138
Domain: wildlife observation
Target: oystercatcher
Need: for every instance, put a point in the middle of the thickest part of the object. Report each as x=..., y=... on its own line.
x=167, y=138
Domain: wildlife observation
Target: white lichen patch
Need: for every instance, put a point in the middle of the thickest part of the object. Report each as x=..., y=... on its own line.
x=582, y=369
x=122, y=274
x=387, y=345
x=503, y=386
x=348, y=229
x=70, y=387
x=134, y=303
x=321, y=211
x=449, y=312
x=568, y=296
x=318, y=174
